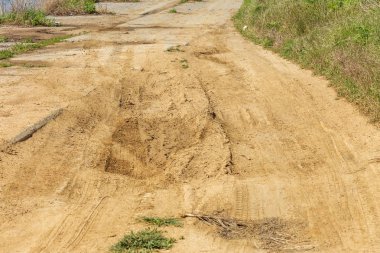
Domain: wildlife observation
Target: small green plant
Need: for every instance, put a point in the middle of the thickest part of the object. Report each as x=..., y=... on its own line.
x=163, y=222
x=5, y=64
x=89, y=7
x=173, y=10
x=175, y=49
x=5, y=54
x=146, y=240
x=3, y=39
x=184, y=63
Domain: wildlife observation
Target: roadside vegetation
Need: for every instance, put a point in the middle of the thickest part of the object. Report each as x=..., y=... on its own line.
x=28, y=17
x=70, y=7
x=34, y=13
x=28, y=46
x=339, y=39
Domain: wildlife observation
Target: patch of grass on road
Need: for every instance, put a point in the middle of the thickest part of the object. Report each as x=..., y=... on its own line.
x=339, y=39
x=163, y=222
x=5, y=64
x=146, y=240
x=3, y=39
x=24, y=47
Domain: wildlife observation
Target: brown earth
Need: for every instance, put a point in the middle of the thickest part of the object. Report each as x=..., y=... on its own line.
x=167, y=114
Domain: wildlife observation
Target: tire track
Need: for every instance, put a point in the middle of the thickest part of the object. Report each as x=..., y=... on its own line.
x=242, y=202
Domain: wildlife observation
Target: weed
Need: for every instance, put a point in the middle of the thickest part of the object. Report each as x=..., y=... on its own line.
x=175, y=49
x=173, y=11
x=184, y=63
x=3, y=39
x=5, y=54
x=146, y=240
x=5, y=64
x=163, y=222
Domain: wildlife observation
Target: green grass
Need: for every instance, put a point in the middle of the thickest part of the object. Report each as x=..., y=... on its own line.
x=163, y=222
x=173, y=11
x=24, y=47
x=146, y=240
x=3, y=39
x=5, y=64
x=29, y=17
x=339, y=39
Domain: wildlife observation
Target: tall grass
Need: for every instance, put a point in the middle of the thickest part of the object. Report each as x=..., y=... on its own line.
x=29, y=17
x=51, y=7
x=23, y=12
x=70, y=7
x=337, y=38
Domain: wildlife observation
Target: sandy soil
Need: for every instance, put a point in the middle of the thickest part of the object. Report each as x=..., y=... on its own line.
x=215, y=125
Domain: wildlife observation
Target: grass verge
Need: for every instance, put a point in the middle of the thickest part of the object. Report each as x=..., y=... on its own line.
x=146, y=240
x=24, y=47
x=339, y=39
x=29, y=17
x=70, y=7
x=163, y=222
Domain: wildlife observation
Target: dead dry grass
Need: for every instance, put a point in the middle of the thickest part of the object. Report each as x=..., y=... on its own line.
x=269, y=233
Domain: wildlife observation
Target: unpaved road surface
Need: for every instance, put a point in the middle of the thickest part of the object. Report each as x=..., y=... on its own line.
x=215, y=125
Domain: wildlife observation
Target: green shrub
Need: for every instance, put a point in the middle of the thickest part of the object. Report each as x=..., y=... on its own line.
x=145, y=240
x=89, y=6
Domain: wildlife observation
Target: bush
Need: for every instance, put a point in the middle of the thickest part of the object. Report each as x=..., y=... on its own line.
x=337, y=38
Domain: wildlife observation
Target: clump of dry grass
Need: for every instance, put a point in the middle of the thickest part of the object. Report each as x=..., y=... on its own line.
x=270, y=233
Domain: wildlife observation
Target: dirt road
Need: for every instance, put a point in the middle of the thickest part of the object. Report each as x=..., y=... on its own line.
x=163, y=114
